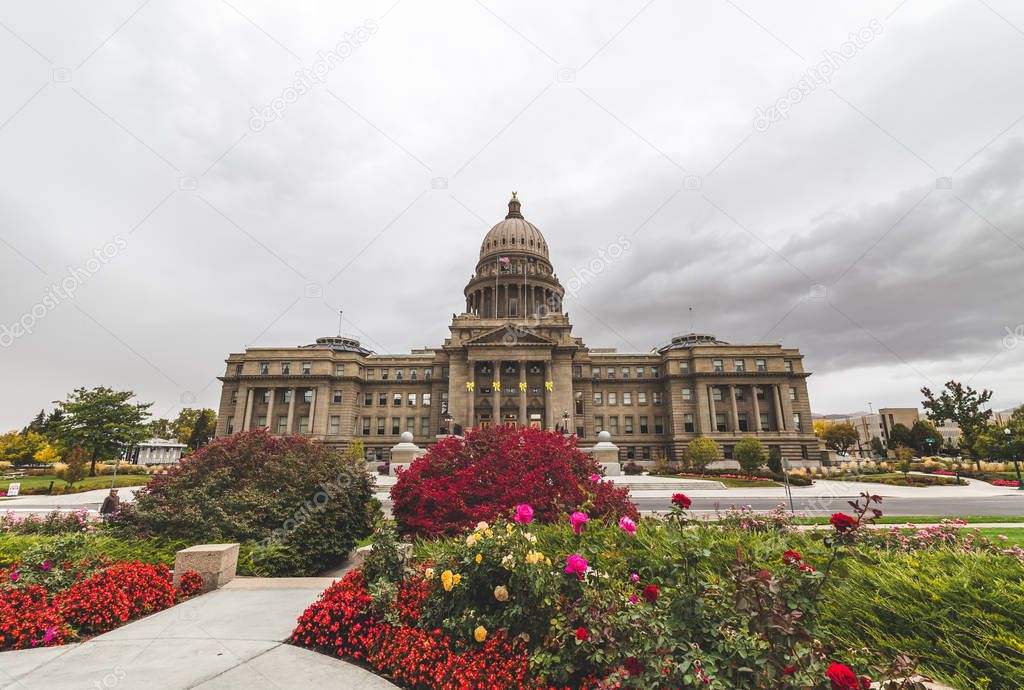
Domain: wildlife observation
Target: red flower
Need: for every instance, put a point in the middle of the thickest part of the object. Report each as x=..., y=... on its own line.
x=806, y=568
x=843, y=678
x=581, y=634
x=843, y=522
x=634, y=667
x=650, y=593
x=791, y=557
x=681, y=500
x=789, y=670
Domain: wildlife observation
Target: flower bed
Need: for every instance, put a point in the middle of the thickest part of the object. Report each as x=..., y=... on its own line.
x=47, y=604
x=1005, y=482
x=586, y=603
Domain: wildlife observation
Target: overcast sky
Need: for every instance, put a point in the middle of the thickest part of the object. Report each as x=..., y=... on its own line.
x=206, y=176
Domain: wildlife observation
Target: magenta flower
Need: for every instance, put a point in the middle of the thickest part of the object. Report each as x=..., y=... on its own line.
x=634, y=577
x=524, y=513
x=51, y=633
x=45, y=565
x=578, y=521
x=595, y=477
x=627, y=525
x=14, y=576
x=576, y=565
x=633, y=599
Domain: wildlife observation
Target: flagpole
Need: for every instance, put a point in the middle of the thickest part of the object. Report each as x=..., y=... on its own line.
x=497, y=270
x=525, y=299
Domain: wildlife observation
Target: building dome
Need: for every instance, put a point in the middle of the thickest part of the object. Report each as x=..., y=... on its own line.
x=514, y=235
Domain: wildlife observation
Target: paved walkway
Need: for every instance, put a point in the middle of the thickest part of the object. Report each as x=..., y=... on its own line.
x=227, y=639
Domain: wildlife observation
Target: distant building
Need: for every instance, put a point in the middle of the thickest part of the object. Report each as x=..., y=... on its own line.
x=891, y=416
x=512, y=359
x=158, y=451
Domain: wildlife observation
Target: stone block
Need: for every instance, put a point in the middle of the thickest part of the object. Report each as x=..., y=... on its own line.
x=612, y=469
x=216, y=563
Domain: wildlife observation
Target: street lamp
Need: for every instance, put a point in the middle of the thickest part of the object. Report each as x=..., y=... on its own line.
x=565, y=422
x=447, y=419
x=1013, y=456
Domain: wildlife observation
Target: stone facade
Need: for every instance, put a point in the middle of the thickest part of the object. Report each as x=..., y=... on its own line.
x=512, y=359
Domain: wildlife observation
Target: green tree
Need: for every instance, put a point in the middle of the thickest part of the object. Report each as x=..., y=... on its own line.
x=904, y=455
x=775, y=460
x=876, y=447
x=37, y=424
x=899, y=435
x=187, y=420
x=995, y=444
x=203, y=429
x=161, y=428
x=964, y=406
x=104, y=422
x=21, y=448
x=841, y=438
x=74, y=470
x=750, y=454
x=701, y=452
x=919, y=435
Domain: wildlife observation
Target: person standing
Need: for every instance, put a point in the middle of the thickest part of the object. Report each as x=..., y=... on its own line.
x=110, y=506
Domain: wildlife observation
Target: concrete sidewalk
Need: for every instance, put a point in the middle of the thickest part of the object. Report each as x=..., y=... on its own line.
x=90, y=500
x=227, y=639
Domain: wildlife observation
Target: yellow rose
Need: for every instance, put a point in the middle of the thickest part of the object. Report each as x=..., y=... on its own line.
x=456, y=579
x=429, y=573
x=480, y=634
x=479, y=557
x=501, y=593
x=448, y=580
x=472, y=539
x=508, y=528
x=532, y=557
x=489, y=532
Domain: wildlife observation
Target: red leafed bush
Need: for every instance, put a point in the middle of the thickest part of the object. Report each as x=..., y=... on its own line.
x=29, y=619
x=107, y=599
x=191, y=583
x=341, y=623
x=460, y=482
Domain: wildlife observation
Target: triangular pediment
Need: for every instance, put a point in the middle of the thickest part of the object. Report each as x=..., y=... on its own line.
x=509, y=335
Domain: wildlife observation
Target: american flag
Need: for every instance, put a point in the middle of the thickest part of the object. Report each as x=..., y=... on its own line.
x=504, y=260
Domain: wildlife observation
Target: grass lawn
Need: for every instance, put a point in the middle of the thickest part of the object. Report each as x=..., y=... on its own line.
x=899, y=479
x=920, y=519
x=1015, y=535
x=727, y=482
x=40, y=483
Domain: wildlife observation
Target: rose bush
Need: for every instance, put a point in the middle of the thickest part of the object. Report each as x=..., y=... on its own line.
x=461, y=481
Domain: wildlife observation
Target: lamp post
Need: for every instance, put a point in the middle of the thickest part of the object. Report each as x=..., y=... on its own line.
x=1013, y=456
x=447, y=419
x=565, y=422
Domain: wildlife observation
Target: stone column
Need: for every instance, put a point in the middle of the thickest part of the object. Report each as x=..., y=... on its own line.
x=241, y=399
x=496, y=394
x=247, y=424
x=700, y=422
x=522, y=393
x=733, y=412
x=470, y=399
x=270, y=411
x=713, y=413
x=322, y=398
x=787, y=408
x=291, y=410
x=780, y=420
x=548, y=376
x=607, y=454
x=757, y=408
x=403, y=453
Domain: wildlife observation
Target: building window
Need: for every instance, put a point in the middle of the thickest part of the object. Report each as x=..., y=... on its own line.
x=613, y=398
x=716, y=394
x=264, y=368
x=739, y=365
x=803, y=453
x=684, y=367
x=303, y=425
x=410, y=425
x=759, y=392
x=234, y=396
x=639, y=372
x=384, y=374
x=688, y=423
x=739, y=393
x=720, y=422
x=761, y=365
x=797, y=425
x=641, y=398
x=282, y=424
x=625, y=372
x=261, y=422
x=659, y=424
x=687, y=394
x=367, y=399
x=627, y=398
x=366, y=426
x=307, y=396
x=792, y=392
x=427, y=373
x=426, y=400
x=396, y=426
x=627, y=424
x=727, y=452
x=398, y=374
x=595, y=372
x=266, y=396
x=396, y=399
x=598, y=423
x=787, y=366
x=424, y=426
x=370, y=373
x=630, y=452
x=306, y=368
x=382, y=400
x=577, y=371
x=598, y=398
x=335, y=425
x=643, y=424
x=655, y=372
x=286, y=368
x=238, y=370
x=764, y=423
x=579, y=431
x=657, y=397
x=611, y=372
x=411, y=400
x=444, y=372
x=337, y=396
x=231, y=425
x=380, y=426
x=717, y=365
x=578, y=400
x=742, y=419
x=645, y=452
x=613, y=425
x=339, y=369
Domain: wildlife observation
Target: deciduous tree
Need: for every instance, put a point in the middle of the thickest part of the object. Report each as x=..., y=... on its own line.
x=701, y=452
x=750, y=454
x=964, y=406
x=104, y=422
x=841, y=438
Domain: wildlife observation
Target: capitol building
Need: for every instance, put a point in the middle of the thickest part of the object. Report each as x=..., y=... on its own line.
x=512, y=359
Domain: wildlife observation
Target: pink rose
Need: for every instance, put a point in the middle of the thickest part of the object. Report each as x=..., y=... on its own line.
x=578, y=521
x=634, y=577
x=524, y=513
x=576, y=565
x=627, y=525
x=595, y=477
